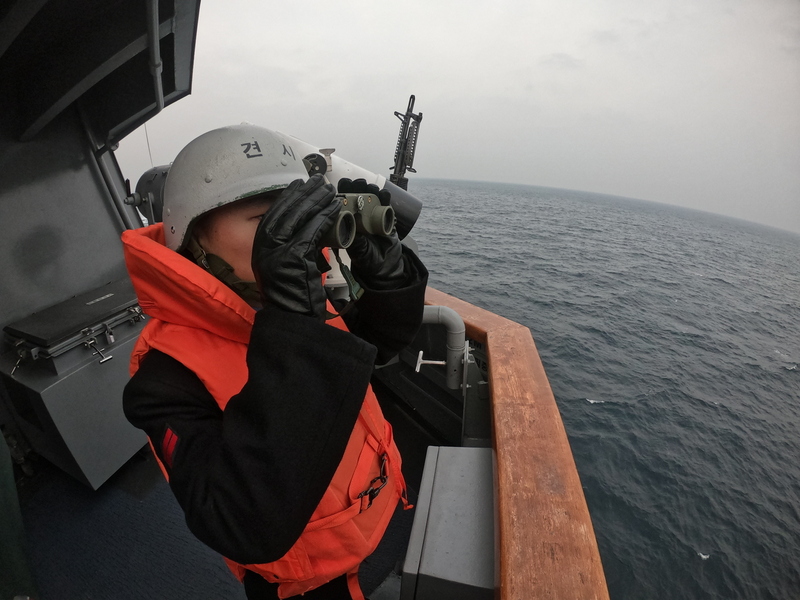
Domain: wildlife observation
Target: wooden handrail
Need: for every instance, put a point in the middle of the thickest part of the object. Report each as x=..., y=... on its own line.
x=547, y=547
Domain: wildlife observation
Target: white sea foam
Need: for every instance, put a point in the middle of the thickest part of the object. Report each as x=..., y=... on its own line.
x=590, y=401
x=703, y=556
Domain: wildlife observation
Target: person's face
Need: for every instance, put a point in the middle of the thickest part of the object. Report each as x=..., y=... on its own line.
x=229, y=231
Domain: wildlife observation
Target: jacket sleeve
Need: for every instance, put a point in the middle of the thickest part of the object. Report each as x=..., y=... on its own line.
x=390, y=319
x=248, y=478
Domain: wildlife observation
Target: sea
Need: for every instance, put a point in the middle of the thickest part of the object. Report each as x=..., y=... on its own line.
x=671, y=339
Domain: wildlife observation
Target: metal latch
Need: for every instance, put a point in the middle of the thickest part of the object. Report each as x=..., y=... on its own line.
x=373, y=490
x=421, y=362
x=92, y=343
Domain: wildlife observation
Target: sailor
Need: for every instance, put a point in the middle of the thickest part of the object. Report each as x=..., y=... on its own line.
x=256, y=402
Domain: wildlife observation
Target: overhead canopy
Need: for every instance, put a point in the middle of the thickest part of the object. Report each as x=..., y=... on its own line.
x=119, y=60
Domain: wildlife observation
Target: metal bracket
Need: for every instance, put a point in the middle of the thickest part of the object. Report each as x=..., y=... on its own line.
x=466, y=361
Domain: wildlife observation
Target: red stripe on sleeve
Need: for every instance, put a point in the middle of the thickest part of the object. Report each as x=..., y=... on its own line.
x=168, y=446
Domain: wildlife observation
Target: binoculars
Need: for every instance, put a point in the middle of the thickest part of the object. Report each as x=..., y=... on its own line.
x=362, y=213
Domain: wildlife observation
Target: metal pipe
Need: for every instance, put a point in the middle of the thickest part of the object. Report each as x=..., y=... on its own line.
x=456, y=340
x=102, y=156
x=118, y=199
x=156, y=70
x=154, y=41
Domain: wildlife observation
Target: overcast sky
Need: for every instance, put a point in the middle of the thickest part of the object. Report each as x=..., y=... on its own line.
x=687, y=102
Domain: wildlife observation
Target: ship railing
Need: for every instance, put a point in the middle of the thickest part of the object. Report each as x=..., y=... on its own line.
x=546, y=544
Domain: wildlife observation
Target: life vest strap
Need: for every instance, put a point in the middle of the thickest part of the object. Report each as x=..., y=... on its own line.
x=353, y=586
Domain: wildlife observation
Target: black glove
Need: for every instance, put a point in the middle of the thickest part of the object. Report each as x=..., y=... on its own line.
x=287, y=259
x=376, y=260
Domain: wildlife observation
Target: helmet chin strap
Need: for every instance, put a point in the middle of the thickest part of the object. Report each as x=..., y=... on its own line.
x=246, y=290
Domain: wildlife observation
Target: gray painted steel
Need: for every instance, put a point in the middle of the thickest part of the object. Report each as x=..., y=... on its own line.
x=16, y=578
x=70, y=407
x=59, y=234
x=78, y=76
x=451, y=549
x=59, y=237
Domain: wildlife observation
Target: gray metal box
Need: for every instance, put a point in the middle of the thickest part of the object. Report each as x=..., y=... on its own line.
x=451, y=550
x=64, y=381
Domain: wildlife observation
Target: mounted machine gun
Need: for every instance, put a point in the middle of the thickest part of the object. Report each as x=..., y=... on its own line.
x=406, y=145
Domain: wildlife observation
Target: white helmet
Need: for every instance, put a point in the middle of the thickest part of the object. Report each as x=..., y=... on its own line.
x=223, y=166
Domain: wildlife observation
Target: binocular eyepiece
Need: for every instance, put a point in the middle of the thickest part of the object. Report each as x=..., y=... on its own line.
x=362, y=213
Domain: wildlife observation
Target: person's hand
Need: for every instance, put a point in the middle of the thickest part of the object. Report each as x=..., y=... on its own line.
x=375, y=259
x=287, y=259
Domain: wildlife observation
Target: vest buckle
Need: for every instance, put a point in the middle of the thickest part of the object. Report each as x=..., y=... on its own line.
x=373, y=490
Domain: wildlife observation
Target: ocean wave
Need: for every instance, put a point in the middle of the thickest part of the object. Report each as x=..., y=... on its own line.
x=683, y=327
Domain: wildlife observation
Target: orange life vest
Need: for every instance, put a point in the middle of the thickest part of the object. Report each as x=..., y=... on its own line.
x=200, y=322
